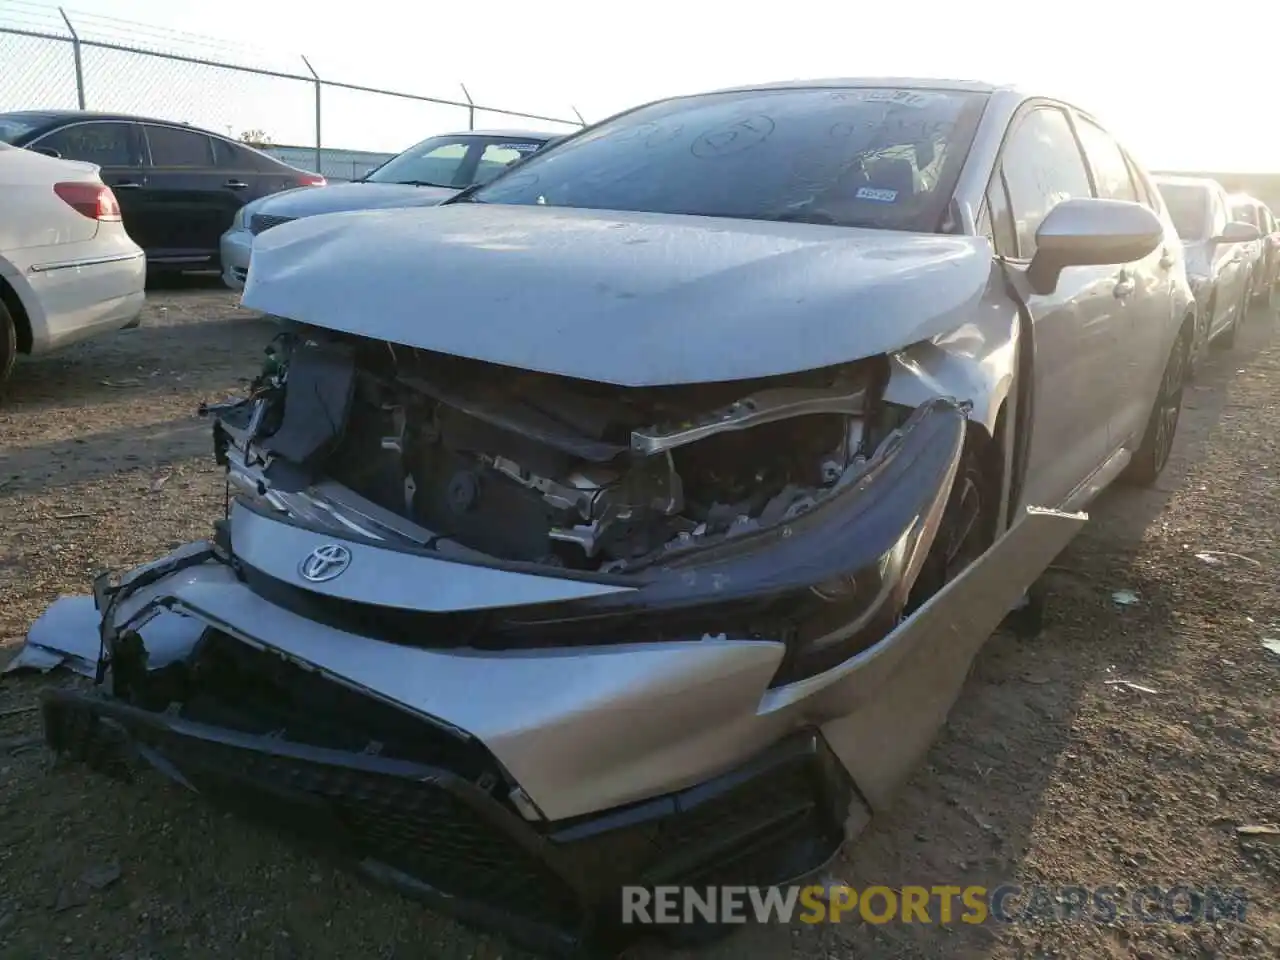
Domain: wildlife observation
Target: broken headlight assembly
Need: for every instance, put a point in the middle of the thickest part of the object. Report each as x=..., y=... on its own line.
x=829, y=584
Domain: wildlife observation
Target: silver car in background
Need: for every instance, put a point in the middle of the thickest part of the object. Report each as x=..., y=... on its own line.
x=1261, y=255
x=1217, y=255
x=426, y=174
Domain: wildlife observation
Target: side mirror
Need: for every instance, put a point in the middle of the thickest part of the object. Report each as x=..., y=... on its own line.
x=1089, y=232
x=1237, y=231
x=48, y=152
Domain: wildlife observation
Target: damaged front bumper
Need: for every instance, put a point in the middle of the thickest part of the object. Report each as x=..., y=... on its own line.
x=518, y=759
x=433, y=833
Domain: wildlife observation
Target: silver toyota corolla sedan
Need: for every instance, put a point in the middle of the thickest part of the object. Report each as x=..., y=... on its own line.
x=635, y=518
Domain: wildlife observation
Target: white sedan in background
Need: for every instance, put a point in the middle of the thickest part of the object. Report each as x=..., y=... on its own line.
x=68, y=269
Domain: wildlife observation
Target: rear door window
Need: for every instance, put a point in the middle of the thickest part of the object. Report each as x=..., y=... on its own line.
x=247, y=158
x=229, y=156
x=1147, y=192
x=172, y=147
x=1111, y=177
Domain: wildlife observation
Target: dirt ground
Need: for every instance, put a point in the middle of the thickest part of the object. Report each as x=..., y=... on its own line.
x=1047, y=772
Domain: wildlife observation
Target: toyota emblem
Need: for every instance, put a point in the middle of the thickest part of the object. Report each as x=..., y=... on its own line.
x=325, y=563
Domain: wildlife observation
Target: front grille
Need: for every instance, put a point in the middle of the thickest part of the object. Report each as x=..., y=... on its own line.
x=261, y=221
x=416, y=826
x=432, y=830
x=421, y=821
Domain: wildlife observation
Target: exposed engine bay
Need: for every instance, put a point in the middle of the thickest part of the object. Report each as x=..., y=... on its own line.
x=531, y=467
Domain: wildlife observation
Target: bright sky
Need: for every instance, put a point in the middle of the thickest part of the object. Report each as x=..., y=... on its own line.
x=1182, y=90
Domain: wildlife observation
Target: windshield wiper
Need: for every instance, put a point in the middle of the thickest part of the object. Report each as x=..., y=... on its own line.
x=425, y=183
x=806, y=216
x=467, y=194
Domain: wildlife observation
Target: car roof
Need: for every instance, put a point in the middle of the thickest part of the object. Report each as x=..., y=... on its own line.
x=903, y=83
x=55, y=117
x=514, y=134
x=1175, y=180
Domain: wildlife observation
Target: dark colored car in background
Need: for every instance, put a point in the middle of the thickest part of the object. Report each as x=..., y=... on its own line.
x=179, y=187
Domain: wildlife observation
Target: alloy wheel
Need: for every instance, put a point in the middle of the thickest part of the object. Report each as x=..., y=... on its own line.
x=1169, y=404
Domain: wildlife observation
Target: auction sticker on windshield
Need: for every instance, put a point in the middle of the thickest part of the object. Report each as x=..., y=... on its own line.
x=904, y=98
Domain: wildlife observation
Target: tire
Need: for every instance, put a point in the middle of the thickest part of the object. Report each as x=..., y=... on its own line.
x=1027, y=620
x=1263, y=296
x=1153, y=452
x=8, y=342
x=965, y=530
x=1228, y=337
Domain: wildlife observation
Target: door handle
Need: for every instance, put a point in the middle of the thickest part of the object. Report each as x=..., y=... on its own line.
x=236, y=184
x=126, y=185
x=1124, y=287
x=1166, y=260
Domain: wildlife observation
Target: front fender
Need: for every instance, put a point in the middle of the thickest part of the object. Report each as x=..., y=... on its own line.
x=975, y=363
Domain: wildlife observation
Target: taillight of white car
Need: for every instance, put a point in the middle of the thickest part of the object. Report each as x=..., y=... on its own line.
x=93, y=200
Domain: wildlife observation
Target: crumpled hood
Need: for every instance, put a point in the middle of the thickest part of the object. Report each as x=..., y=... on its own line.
x=634, y=299
x=309, y=201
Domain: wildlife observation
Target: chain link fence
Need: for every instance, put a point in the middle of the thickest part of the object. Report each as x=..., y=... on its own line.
x=57, y=59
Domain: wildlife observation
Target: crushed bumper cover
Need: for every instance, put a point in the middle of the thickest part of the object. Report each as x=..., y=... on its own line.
x=434, y=834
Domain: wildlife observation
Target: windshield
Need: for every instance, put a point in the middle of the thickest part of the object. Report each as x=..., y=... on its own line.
x=12, y=127
x=454, y=161
x=1189, y=209
x=865, y=157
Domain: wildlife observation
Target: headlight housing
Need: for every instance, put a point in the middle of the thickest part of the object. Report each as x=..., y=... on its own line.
x=241, y=218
